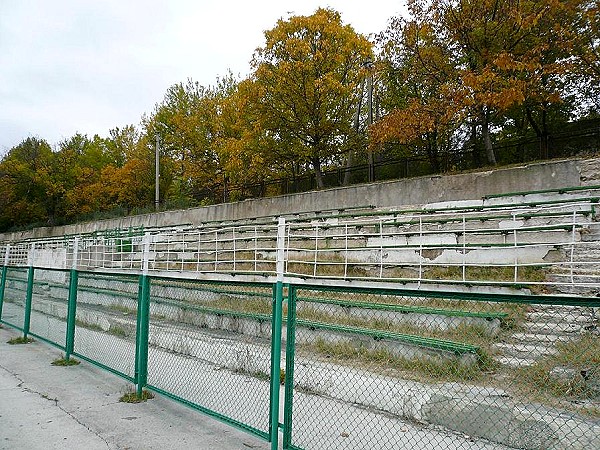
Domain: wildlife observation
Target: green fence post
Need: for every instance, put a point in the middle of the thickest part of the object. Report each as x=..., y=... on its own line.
x=289, y=367
x=138, y=322
x=2, y=288
x=29, y=295
x=72, y=305
x=276, y=338
x=275, y=364
x=142, y=338
x=143, y=324
x=3, y=280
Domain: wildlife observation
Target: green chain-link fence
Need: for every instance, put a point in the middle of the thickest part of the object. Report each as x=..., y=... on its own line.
x=210, y=346
x=49, y=306
x=376, y=369
x=106, y=321
x=360, y=368
x=15, y=291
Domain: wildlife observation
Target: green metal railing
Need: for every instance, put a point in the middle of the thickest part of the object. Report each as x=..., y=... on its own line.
x=332, y=367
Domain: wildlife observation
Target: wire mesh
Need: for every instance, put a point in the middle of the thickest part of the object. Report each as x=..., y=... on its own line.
x=106, y=321
x=496, y=245
x=209, y=344
x=13, y=309
x=49, y=305
x=384, y=370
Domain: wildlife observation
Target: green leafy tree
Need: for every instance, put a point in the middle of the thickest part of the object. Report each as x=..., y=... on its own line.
x=308, y=74
x=26, y=184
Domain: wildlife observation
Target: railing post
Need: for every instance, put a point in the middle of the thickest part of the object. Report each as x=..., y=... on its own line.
x=289, y=367
x=29, y=295
x=143, y=323
x=3, y=280
x=276, y=337
x=72, y=306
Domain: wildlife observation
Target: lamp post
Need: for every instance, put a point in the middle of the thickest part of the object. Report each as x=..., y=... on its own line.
x=157, y=174
x=368, y=64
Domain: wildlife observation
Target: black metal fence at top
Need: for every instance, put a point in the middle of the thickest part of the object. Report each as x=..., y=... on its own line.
x=582, y=140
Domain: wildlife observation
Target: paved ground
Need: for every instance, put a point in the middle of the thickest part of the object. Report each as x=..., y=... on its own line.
x=47, y=407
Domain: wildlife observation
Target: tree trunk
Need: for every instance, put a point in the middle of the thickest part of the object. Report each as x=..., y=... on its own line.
x=544, y=151
x=347, y=174
x=487, y=140
x=350, y=157
x=522, y=124
x=432, y=152
x=475, y=156
x=541, y=133
x=316, y=163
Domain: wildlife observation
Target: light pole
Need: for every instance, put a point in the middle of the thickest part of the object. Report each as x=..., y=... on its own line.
x=157, y=174
x=368, y=64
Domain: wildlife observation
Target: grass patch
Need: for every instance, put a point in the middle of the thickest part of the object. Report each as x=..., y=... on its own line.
x=260, y=375
x=131, y=396
x=117, y=331
x=525, y=274
x=328, y=265
x=114, y=330
x=431, y=369
x=20, y=340
x=122, y=309
x=249, y=305
x=516, y=313
x=89, y=326
x=63, y=362
x=464, y=332
x=567, y=374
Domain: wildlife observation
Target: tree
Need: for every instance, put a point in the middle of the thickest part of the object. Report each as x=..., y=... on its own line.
x=243, y=147
x=419, y=71
x=86, y=167
x=502, y=55
x=26, y=185
x=188, y=124
x=308, y=74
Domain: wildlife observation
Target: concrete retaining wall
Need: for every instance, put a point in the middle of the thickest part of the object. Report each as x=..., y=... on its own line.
x=412, y=191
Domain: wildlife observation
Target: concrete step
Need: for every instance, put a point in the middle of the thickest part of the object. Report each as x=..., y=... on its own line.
x=586, y=251
x=591, y=233
x=590, y=237
x=584, y=291
x=556, y=328
x=515, y=362
x=524, y=351
x=581, y=269
x=558, y=318
x=547, y=339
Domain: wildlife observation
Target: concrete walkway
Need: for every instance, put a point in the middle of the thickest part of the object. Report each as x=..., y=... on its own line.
x=48, y=407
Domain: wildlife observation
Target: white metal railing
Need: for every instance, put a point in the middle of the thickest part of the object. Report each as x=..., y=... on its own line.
x=526, y=245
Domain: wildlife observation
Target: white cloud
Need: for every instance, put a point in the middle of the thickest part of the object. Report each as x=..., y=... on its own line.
x=71, y=66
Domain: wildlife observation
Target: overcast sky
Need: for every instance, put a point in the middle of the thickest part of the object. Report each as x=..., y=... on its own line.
x=87, y=66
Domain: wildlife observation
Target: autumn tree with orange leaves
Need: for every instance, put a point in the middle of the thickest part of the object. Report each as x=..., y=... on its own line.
x=472, y=61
